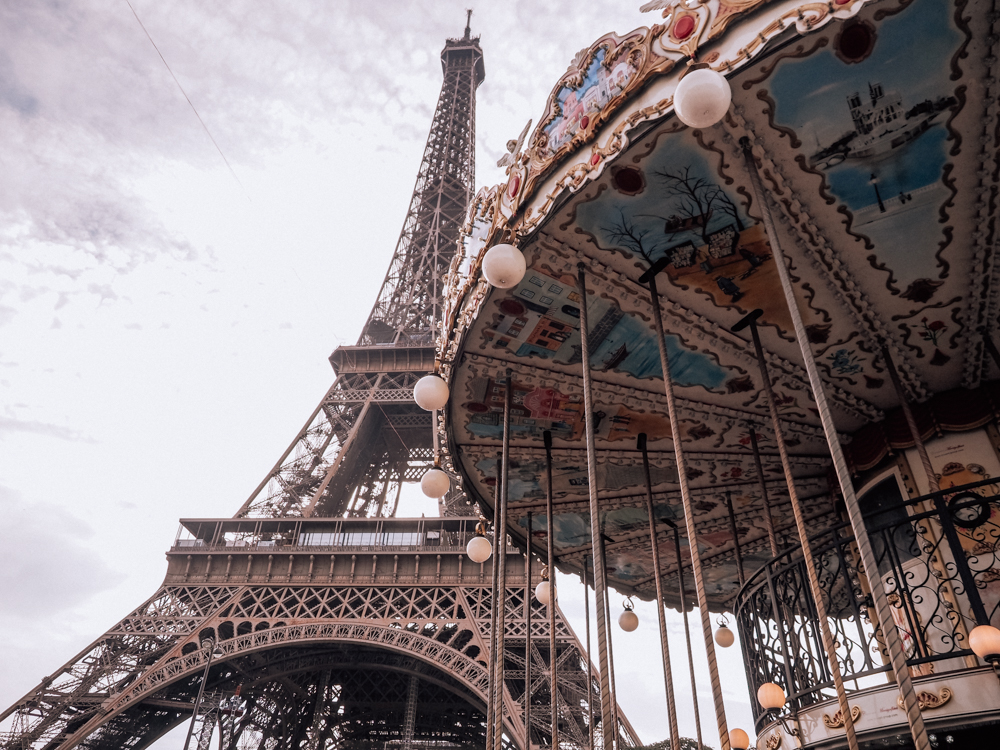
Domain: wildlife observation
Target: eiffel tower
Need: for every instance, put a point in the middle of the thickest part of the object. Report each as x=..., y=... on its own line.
x=314, y=618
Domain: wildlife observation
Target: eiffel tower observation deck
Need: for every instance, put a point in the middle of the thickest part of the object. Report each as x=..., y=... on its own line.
x=314, y=618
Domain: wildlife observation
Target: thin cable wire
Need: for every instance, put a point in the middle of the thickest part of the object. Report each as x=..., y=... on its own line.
x=188, y=98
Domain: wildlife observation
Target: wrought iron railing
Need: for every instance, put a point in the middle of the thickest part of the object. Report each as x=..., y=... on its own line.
x=939, y=559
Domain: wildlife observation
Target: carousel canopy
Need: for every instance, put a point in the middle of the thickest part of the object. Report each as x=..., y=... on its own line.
x=874, y=128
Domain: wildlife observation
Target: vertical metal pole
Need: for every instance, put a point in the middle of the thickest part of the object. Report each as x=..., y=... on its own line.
x=550, y=550
x=494, y=575
x=699, y=579
x=772, y=538
x=800, y=524
x=590, y=663
x=600, y=572
x=687, y=634
x=882, y=607
x=527, y=639
x=736, y=538
x=611, y=649
x=911, y=422
x=668, y=678
x=501, y=561
x=201, y=690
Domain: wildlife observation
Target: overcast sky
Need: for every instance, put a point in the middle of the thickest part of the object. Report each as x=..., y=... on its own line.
x=165, y=319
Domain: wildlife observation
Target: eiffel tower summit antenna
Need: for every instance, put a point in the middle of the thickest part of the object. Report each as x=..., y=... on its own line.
x=314, y=618
x=468, y=22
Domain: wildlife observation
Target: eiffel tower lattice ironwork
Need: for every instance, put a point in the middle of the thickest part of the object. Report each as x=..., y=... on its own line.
x=319, y=620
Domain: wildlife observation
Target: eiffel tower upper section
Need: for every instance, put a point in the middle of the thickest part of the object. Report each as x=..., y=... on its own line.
x=367, y=436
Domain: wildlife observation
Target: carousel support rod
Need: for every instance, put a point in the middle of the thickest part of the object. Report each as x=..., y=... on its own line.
x=911, y=421
x=945, y=519
x=590, y=663
x=736, y=538
x=494, y=576
x=611, y=650
x=500, y=555
x=550, y=551
x=772, y=537
x=668, y=679
x=527, y=639
x=600, y=569
x=815, y=589
x=687, y=633
x=649, y=277
x=882, y=607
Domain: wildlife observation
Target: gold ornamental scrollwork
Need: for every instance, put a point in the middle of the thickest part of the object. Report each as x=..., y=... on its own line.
x=927, y=699
x=837, y=720
x=773, y=741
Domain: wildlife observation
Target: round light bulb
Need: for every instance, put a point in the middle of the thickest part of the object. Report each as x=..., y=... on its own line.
x=430, y=393
x=738, y=739
x=984, y=640
x=543, y=592
x=702, y=98
x=628, y=620
x=479, y=549
x=771, y=696
x=724, y=637
x=435, y=483
x=504, y=266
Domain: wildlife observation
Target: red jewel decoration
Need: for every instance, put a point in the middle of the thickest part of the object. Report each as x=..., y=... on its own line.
x=595, y=159
x=842, y=2
x=684, y=27
x=584, y=122
x=515, y=184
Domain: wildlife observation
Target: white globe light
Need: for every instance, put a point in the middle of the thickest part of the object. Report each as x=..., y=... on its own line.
x=504, y=266
x=724, y=637
x=430, y=393
x=479, y=549
x=435, y=483
x=984, y=640
x=543, y=592
x=771, y=696
x=738, y=739
x=628, y=620
x=702, y=98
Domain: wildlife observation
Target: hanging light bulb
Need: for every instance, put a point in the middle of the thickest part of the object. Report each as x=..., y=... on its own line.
x=984, y=640
x=435, y=483
x=430, y=392
x=738, y=739
x=771, y=696
x=702, y=98
x=479, y=548
x=628, y=620
x=724, y=636
x=504, y=266
x=544, y=590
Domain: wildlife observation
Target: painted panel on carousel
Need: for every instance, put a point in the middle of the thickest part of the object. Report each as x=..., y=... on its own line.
x=675, y=204
x=526, y=478
x=579, y=103
x=572, y=529
x=872, y=117
x=541, y=318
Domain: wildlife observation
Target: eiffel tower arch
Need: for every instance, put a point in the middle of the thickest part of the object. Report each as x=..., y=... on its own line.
x=314, y=618
x=334, y=632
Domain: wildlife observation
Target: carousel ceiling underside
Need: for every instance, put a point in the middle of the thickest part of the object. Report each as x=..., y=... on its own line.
x=876, y=136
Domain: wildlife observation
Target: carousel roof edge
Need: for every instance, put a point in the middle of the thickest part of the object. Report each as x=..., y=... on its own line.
x=607, y=95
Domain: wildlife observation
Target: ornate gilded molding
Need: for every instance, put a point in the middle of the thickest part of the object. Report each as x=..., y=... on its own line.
x=927, y=699
x=604, y=76
x=837, y=720
x=773, y=741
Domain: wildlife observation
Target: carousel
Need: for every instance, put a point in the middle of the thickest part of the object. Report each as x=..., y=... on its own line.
x=727, y=339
